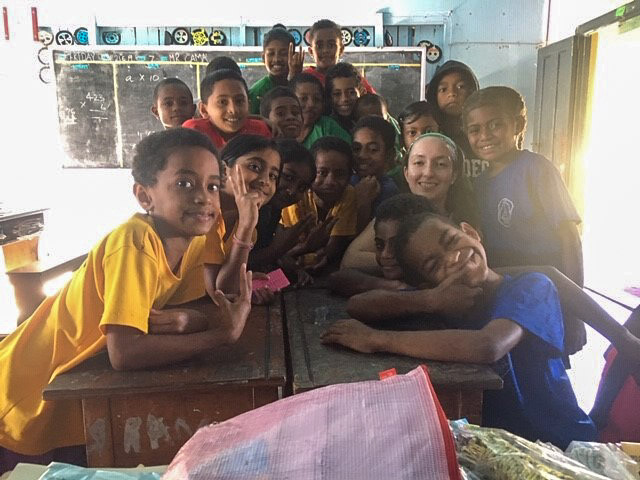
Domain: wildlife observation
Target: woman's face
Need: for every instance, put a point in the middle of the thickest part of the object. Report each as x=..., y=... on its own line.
x=429, y=171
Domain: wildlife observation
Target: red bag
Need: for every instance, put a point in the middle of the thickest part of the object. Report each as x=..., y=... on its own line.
x=394, y=428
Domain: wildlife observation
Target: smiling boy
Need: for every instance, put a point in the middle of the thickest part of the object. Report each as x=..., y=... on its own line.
x=275, y=54
x=326, y=48
x=517, y=321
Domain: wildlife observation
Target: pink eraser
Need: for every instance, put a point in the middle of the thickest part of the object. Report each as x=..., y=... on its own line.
x=277, y=281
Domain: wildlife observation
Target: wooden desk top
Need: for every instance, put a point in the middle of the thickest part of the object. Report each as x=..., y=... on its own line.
x=310, y=311
x=257, y=359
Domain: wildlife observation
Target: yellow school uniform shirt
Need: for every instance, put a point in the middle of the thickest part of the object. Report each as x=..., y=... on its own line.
x=123, y=277
x=345, y=210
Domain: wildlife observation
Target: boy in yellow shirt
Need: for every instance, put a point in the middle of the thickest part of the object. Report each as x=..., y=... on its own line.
x=332, y=203
x=114, y=299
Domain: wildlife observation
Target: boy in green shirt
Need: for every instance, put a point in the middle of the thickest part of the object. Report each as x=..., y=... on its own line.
x=278, y=54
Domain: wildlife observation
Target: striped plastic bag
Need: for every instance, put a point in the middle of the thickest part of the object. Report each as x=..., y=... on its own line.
x=393, y=428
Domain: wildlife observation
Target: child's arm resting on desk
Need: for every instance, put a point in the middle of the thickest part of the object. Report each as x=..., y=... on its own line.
x=130, y=349
x=349, y=281
x=450, y=299
x=487, y=345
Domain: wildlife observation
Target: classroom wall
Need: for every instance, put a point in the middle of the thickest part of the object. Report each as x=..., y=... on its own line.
x=499, y=43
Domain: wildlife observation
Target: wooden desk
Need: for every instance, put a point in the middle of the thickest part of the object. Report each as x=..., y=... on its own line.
x=146, y=416
x=309, y=312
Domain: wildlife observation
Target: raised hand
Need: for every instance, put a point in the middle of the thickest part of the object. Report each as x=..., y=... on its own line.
x=247, y=202
x=367, y=189
x=286, y=238
x=235, y=309
x=295, y=60
x=319, y=235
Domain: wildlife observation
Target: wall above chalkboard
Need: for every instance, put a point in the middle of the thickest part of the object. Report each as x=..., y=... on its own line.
x=104, y=96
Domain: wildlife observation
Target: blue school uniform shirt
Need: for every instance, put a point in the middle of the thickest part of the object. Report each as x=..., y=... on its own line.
x=388, y=189
x=521, y=209
x=537, y=401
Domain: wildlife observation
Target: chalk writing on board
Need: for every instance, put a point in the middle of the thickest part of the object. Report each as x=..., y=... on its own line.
x=105, y=96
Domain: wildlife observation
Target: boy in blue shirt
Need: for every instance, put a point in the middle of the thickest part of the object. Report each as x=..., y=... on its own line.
x=516, y=324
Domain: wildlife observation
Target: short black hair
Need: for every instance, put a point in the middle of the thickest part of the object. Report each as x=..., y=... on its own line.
x=271, y=95
x=277, y=33
x=244, y=143
x=400, y=206
x=306, y=78
x=408, y=226
x=333, y=144
x=222, y=62
x=381, y=127
x=206, y=85
x=415, y=110
x=370, y=100
x=324, y=24
x=152, y=152
x=165, y=83
x=339, y=70
x=292, y=151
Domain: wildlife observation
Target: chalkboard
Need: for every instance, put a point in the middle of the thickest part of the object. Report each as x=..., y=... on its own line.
x=105, y=96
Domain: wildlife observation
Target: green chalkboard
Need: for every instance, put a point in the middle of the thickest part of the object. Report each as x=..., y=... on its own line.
x=104, y=95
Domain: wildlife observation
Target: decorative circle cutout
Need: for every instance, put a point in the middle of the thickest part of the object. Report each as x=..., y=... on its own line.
x=218, y=38
x=82, y=36
x=64, y=37
x=297, y=36
x=361, y=37
x=111, y=38
x=181, y=36
x=347, y=37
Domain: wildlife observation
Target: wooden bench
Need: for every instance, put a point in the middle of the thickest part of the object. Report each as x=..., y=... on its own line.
x=309, y=312
x=144, y=417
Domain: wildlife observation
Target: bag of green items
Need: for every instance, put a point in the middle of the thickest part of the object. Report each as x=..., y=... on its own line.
x=497, y=454
x=604, y=458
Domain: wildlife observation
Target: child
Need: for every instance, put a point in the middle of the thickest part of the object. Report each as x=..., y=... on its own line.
x=224, y=109
x=326, y=49
x=342, y=91
x=373, y=149
x=273, y=242
x=172, y=102
x=281, y=106
x=275, y=54
x=527, y=215
x=331, y=202
x=416, y=119
x=315, y=125
x=373, y=104
x=222, y=62
x=451, y=85
x=253, y=166
x=505, y=324
x=388, y=275
x=146, y=264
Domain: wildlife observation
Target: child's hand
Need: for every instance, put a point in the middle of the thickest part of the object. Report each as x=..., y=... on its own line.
x=320, y=234
x=248, y=203
x=452, y=298
x=235, y=310
x=296, y=61
x=287, y=238
x=263, y=296
x=367, y=189
x=176, y=321
x=353, y=334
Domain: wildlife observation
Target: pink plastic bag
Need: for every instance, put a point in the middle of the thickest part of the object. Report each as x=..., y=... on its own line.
x=389, y=429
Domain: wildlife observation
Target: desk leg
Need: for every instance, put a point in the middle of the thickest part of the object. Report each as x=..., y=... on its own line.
x=462, y=404
x=97, y=432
